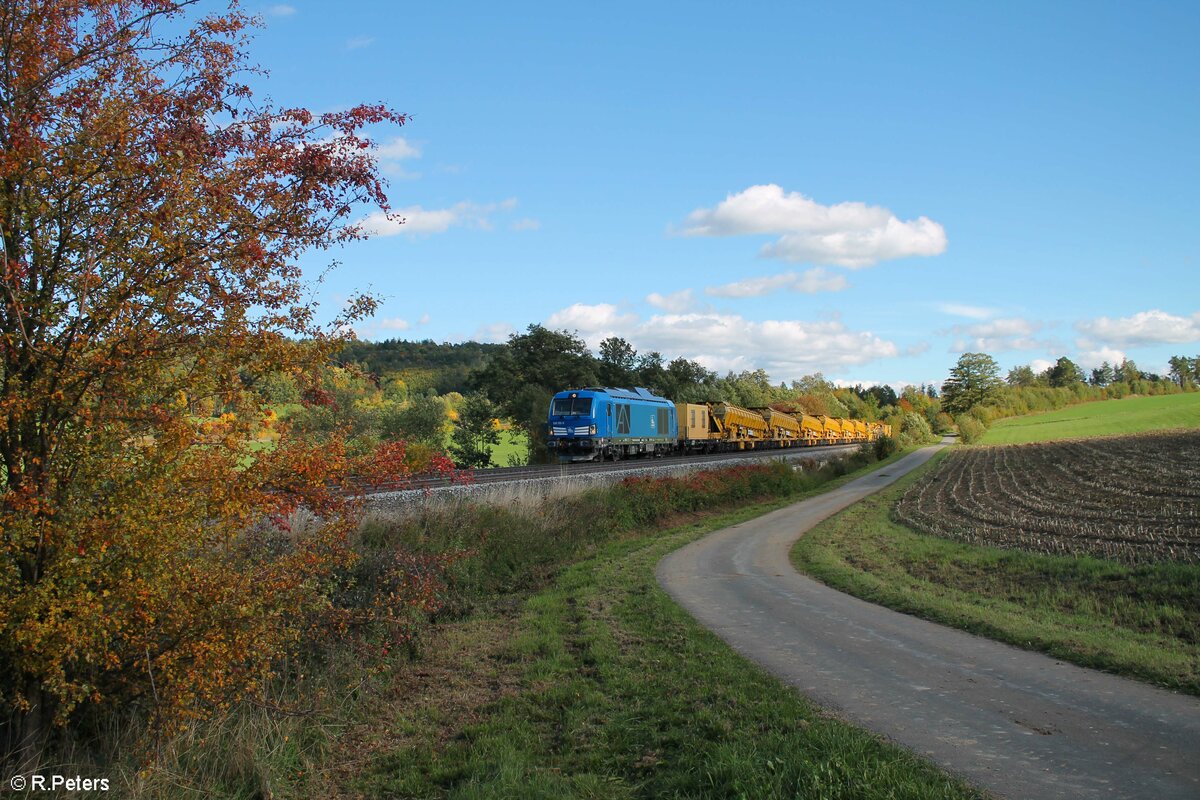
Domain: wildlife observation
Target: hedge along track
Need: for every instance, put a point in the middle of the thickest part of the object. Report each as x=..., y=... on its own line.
x=494, y=475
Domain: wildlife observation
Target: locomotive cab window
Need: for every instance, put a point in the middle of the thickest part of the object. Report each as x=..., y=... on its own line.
x=568, y=406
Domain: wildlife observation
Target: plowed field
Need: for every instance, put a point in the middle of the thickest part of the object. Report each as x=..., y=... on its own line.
x=1129, y=498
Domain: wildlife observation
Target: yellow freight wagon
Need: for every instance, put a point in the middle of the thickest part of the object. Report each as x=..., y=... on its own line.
x=740, y=426
x=833, y=429
x=879, y=430
x=782, y=429
x=861, y=432
x=812, y=431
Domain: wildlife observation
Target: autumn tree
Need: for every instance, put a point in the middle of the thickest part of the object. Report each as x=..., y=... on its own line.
x=151, y=213
x=973, y=380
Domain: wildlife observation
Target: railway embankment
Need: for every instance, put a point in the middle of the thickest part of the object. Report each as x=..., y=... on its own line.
x=529, y=486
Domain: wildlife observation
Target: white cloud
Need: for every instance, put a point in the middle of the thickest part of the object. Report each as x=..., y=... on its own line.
x=392, y=324
x=964, y=310
x=359, y=42
x=386, y=327
x=492, y=333
x=998, y=335
x=391, y=154
x=397, y=149
x=1090, y=359
x=594, y=323
x=526, y=224
x=416, y=220
x=411, y=220
x=281, y=10
x=676, y=302
x=1040, y=365
x=787, y=349
x=847, y=234
x=807, y=282
x=916, y=349
x=1143, y=328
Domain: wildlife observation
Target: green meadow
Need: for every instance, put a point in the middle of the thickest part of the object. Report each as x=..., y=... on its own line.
x=1104, y=418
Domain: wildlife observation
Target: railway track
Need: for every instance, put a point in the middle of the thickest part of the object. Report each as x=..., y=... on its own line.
x=495, y=475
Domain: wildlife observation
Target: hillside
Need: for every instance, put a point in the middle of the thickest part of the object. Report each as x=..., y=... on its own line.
x=423, y=365
x=1104, y=418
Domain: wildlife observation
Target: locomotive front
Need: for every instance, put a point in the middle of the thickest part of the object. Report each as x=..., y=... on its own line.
x=573, y=430
x=586, y=424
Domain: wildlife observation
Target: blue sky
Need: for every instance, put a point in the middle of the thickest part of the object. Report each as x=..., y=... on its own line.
x=866, y=191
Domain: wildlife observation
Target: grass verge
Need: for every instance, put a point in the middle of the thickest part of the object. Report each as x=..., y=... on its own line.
x=1139, y=621
x=555, y=668
x=601, y=686
x=1104, y=418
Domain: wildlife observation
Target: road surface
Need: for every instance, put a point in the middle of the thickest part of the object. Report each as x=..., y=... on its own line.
x=1019, y=724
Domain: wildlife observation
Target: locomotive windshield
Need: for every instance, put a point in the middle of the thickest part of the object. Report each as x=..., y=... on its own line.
x=579, y=406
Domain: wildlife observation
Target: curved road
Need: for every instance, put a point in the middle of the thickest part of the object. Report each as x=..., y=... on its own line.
x=1018, y=724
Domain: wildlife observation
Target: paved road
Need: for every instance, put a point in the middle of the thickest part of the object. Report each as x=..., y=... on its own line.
x=1019, y=724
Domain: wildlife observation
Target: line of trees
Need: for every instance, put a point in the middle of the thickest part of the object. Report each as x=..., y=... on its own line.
x=975, y=394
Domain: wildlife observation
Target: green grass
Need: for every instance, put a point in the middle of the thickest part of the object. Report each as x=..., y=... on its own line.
x=513, y=443
x=1138, y=621
x=600, y=686
x=557, y=669
x=1104, y=418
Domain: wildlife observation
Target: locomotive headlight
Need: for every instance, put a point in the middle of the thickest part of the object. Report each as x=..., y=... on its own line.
x=592, y=430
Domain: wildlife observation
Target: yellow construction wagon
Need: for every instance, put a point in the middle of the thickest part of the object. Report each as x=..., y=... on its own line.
x=737, y=427
x=782, y=429
x=812, y=430
x=832, y=428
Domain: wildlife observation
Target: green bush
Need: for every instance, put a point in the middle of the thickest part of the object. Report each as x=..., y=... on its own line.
x=476, y=553
x=970, y=428
x=884, y=446
x=913, y=430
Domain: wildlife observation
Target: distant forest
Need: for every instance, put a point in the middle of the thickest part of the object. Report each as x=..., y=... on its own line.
x=424, y=366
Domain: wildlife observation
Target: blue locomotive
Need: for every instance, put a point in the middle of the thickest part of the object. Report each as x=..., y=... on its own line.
x=590, y=424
